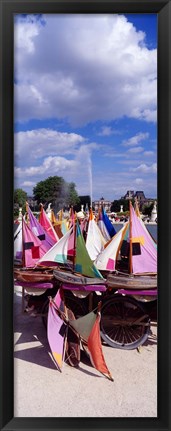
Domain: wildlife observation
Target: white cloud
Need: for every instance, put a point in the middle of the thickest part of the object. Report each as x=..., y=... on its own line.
x=148, y=153
x=119, y=184
x=28, y=184
x=135, y=140
x=139, y=181
x=40, y=142
x=135, y=150
x=25, y=32
x=145, y=168
x=84, y=68
x=108, y=131
x=51, y=165
x=78, y=169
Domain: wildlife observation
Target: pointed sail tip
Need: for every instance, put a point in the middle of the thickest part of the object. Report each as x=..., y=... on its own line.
x=111, y=378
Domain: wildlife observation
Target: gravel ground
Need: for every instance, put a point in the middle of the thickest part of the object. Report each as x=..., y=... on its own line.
x=40, y=390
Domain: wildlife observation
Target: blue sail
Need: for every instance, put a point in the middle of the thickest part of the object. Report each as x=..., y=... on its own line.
x=108, y=224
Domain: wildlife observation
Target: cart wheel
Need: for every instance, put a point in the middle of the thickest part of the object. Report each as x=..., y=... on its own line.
x=124, y=323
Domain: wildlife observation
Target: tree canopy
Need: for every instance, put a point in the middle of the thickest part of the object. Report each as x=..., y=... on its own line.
x=147, y=208
x=20, y=197
x=57, y=191
x=83, y=200
x=115, y=207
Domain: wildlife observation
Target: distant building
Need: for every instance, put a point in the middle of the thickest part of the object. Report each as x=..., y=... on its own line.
x=140, y=196
x=106, y=204
x=129, y=195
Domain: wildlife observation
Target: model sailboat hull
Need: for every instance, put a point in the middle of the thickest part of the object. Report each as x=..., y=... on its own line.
x=33, y=275
x=76, y=278
x=130, y=281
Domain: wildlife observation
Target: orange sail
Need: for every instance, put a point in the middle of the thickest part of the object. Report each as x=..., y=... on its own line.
x=95, y=349
x=88, y=327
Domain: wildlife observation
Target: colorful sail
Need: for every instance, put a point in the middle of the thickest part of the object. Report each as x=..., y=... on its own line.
x=95, y=241
x=47, y=225
x=88, y=327
x=56, y=332
x=106, y=260
x=71, y=244
x=64, y=226
x=137, y=211
x=95, y=350
x=102, y=227
x=56, y=224
x=84, y=325
x=38, y=230
x=71, y=217
x=33, y=249
x=144, y=253
x=109, y=226
x=58, y=253
x=59, y=300
x=83, y=263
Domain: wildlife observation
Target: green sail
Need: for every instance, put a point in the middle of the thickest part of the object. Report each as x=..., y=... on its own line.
x=83, y=263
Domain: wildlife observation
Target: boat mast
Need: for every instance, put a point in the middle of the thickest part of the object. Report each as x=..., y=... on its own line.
x=75, y=233
x=130, y=238
x=23, y=253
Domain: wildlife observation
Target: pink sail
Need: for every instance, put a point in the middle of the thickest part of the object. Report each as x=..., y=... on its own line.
x=71, y=245
x=39, y=231
x=56, y=330
x=47, y=225
x=144, y=252
x=33, y=249
x=59, y=300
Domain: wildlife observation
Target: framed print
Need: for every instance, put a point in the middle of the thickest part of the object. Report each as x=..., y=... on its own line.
x=85, y=109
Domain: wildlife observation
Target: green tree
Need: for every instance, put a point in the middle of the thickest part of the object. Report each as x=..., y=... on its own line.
x=72, y=196
x=115, y=207
x=83, y=200
x=147, y=208
x=57, y=191
x=20, y=197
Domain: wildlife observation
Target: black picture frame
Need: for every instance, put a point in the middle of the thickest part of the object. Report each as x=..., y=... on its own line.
x=7, y=10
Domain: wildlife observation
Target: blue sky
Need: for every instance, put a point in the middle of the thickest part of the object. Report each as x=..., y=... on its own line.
x=85, y=102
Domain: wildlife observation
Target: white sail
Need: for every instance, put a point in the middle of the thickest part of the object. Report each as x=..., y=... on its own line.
x=95, y=241
x=103, y=230
x=57, y=253
x=107, y=258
